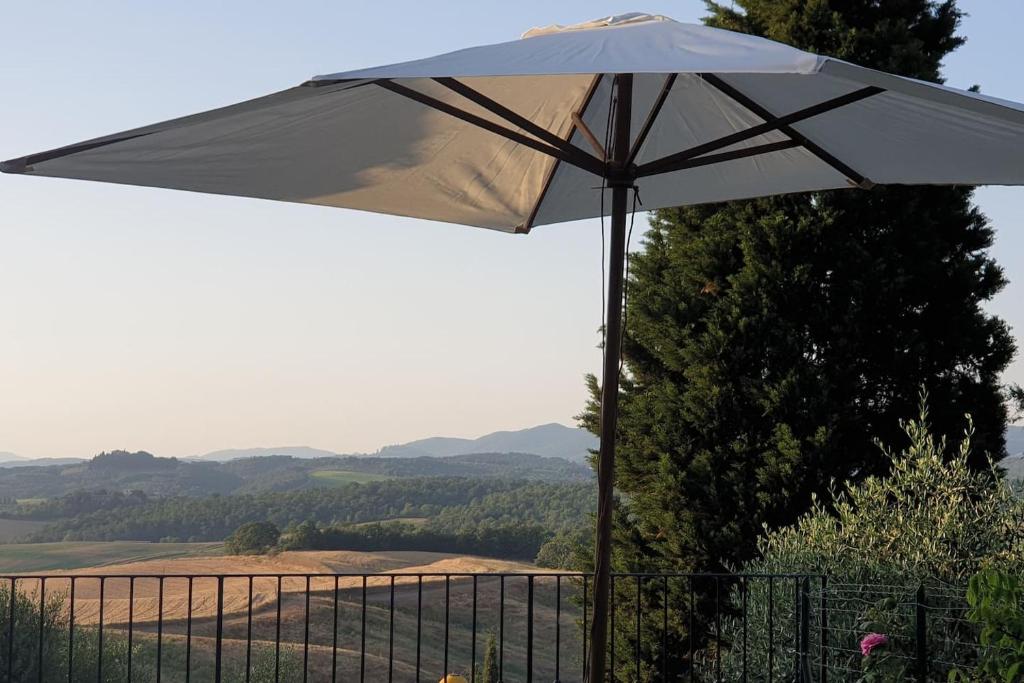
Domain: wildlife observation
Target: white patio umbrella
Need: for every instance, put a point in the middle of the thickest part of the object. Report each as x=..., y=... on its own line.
x=543, y=129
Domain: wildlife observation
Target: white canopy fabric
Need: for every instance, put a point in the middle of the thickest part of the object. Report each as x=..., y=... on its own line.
x=443, y=138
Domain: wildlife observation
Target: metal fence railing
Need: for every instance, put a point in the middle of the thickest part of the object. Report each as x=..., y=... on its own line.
x=417, y=626
x=927, y=629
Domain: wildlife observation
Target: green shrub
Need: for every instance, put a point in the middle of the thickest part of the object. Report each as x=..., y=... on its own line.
x=567, y=550
x=931, y=522
x=54, y=628
x=997, y=607
x=253, y=538
x=51, y=622
x=930, y=519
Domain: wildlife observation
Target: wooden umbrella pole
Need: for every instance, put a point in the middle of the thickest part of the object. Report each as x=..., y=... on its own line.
x=620, y=180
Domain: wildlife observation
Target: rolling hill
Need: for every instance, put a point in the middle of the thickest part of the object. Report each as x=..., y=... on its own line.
x=12, y=460
x=229, y=454
x=119, y=471
x=551, y=440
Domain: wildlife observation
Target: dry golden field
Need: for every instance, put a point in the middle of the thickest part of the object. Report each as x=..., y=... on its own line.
x=257, y=609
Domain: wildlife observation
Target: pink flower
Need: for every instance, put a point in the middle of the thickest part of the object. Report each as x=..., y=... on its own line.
x=871, y=641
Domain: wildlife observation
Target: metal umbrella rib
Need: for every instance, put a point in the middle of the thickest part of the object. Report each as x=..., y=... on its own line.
x=812, y=147
x=676, y=161
x=575, y=157
x=577, y=115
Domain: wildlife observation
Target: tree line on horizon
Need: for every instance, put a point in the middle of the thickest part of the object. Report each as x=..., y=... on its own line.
x=495, y=517
x=169, y=477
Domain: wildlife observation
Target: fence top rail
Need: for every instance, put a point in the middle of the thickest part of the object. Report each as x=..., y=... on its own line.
x=404, y=575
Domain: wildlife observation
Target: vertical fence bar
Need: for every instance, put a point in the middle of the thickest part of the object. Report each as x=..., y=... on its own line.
x=219, y=657
x=248, y=635
x=391, y=631
x=447, y=605
x=796, y=629
x=472, y=647
x=690, y=638
x=10, y=630
x=639, y=611
x=558, y=627
x=277, y=634
x=529, y=629
x=71, y=632
x=501, y=629
x=921, y=634
x=131, y=621
x=805, y=628
x=188, y=634
x=334, y=636
x=99, y=644
x=585, y=631
x=305, y=636
x=419, y=623
x=42, y=626
x=611, y=627
x=362, y=637
x=159, y=627
x=718, y=629
x=743, y=588
x=664, y=629
x=823, y=672
x=771, y=629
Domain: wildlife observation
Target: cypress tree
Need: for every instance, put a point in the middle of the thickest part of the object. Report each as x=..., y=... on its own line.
x=769, y=342
x=490, y=669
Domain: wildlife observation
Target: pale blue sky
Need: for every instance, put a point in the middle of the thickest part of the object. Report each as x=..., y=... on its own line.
x=181, y=323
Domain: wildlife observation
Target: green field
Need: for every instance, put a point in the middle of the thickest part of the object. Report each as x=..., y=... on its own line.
x=341, y=477
x=411, y=521
x=34, y=557
x=16, y=529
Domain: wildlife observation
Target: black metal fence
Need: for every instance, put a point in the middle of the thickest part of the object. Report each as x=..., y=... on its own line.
x=417, y=626
x=928, y=631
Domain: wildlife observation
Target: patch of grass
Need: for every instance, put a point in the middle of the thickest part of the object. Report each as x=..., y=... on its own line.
x=342, y=477
x=33, y=557
x=411, y=521
x=14, y=529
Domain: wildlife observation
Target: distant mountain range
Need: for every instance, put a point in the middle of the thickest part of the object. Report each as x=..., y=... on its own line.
x=550, y=440
x=121, y=472
x=1015, y=440
x=12, y=460
x=229, y=454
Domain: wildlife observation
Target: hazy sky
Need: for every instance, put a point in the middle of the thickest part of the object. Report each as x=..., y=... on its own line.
x=180, y=323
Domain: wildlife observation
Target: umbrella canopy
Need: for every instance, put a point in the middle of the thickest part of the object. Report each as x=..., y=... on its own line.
x=539, y=130
x=508, y=136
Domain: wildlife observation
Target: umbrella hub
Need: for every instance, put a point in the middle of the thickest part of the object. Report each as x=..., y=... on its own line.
x=621, y=176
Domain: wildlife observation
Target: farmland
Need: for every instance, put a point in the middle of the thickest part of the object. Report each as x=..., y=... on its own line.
x=23, y=558
x=14, y=529
x=342, y=477
x=332, y=601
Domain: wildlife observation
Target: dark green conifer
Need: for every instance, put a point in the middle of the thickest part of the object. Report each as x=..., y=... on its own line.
x=770, y=341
